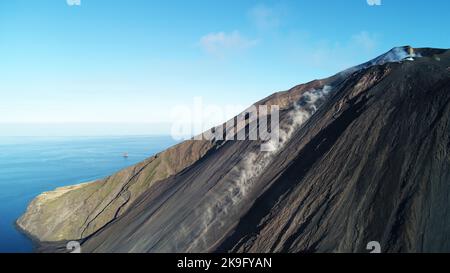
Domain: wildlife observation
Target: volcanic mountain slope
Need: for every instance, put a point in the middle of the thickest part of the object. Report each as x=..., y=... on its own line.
x=363, y=156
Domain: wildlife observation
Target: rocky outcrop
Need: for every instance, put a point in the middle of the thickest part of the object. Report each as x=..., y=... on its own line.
x=364, y=156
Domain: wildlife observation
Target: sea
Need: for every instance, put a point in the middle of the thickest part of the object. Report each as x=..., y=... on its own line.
x=32, y=165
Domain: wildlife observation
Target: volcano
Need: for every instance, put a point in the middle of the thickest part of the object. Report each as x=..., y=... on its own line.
x=363, y=156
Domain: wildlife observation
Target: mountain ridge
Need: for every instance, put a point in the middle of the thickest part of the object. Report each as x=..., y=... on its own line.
x=247, y=229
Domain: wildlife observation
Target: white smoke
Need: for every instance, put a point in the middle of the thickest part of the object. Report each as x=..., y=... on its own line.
x=397, y=54
x=254, y=163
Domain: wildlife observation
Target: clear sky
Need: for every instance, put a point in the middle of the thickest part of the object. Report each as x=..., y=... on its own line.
x=115, y=65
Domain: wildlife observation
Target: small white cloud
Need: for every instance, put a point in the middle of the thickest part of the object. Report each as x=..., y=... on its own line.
x=374, y=2
x=73, y=2
x=365, y=40
x=264, y=17
x=220, y=44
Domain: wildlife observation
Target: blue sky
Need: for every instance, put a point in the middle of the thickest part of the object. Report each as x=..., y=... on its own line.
x=120, y=64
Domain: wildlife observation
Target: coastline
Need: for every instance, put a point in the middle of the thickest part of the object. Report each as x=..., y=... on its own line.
x=59, y=191
x=76, y=211
x=36, y=244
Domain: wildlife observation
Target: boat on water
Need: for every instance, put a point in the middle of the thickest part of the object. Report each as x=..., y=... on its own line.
x=125, y=155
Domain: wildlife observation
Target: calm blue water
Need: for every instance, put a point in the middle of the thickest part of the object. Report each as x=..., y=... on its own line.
x=32, y=165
